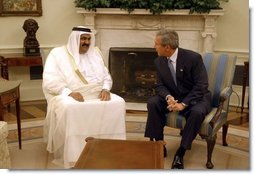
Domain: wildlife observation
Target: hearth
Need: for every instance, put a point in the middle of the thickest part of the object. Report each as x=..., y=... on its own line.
x=133, y=73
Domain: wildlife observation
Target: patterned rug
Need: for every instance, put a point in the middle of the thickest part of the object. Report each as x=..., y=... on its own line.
x=238, y=139
x=33, y=114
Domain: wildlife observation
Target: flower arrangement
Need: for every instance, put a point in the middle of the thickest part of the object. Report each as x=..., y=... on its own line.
x=154, y=6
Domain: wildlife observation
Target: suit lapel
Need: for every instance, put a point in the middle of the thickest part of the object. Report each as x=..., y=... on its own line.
x=179, y=66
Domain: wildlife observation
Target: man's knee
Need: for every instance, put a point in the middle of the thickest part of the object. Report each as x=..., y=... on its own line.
x=197, y=115
x=153, y=102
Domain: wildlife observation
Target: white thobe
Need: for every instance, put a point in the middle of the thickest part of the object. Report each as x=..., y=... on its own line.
x=69, y=122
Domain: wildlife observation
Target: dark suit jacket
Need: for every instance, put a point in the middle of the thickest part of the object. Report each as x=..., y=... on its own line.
x=191, y=76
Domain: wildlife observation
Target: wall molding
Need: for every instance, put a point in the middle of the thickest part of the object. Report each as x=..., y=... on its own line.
x=238, y=51
x=242, y=55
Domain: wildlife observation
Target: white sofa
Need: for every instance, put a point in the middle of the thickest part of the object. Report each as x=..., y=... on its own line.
x=5, y=162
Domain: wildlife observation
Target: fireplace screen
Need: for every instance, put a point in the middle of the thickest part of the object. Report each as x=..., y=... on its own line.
x=133, y=73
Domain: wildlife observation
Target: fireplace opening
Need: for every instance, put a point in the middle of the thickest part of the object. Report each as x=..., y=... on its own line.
x=133, y=73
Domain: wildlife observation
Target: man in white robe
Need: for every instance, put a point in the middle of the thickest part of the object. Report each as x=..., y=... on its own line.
x=76, y=85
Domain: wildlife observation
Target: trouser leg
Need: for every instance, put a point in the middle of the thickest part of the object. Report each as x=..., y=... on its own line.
x=192, y=127
x=157, y=109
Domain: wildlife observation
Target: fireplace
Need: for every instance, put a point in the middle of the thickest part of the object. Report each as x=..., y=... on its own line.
x=133, y=73
x=116, y=28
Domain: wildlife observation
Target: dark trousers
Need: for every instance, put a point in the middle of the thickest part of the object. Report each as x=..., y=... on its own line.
x=157, y=108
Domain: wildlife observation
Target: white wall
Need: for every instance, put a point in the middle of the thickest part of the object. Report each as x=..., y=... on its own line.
x=59, y=16
x=55, y=24
x=233, y=38
x=233, y=27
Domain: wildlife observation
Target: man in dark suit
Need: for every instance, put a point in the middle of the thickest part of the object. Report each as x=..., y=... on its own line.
x=182, y=86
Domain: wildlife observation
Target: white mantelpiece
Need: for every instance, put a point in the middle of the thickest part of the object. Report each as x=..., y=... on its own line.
x=118, y=28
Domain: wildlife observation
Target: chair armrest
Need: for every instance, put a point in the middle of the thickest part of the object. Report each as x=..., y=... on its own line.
x=224, y=95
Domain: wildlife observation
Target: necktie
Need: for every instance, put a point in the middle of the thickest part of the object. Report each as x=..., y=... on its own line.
x=171, y=67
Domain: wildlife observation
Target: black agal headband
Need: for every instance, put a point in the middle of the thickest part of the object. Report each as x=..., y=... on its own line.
x=81, y=29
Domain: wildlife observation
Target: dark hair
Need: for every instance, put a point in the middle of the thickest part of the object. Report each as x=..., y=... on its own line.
x=169, y=37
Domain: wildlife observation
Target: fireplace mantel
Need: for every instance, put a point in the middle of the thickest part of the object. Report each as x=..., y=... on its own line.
x=117, y=28
x=118, y=11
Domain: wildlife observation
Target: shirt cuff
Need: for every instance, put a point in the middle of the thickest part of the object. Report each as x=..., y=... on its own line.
x=107, y=87
x=66, y=91
x=166, y=98
x=184, y=104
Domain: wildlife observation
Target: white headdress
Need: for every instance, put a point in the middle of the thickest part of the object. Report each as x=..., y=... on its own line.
x=74, y=42
x=96, y=64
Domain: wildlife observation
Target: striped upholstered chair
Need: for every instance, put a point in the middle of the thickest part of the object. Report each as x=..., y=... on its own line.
x=220, y=69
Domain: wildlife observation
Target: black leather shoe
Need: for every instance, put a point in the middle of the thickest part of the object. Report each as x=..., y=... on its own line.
x=177, y=163
x=165, y=152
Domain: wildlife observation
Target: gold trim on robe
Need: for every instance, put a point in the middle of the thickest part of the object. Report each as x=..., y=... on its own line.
x=75, y=67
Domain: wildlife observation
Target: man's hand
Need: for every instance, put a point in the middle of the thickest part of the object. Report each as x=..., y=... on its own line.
x=77, y=96
x=104, y=95
x=171, y=102
x=176, y=107
x=173, y=105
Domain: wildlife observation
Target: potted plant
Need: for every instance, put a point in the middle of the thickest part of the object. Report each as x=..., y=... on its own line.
x=154, y=6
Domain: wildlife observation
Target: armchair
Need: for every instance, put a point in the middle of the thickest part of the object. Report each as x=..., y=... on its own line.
x=220, y=69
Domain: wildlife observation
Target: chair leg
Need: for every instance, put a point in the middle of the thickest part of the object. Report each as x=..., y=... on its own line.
x=224, y=134
x=210, y=146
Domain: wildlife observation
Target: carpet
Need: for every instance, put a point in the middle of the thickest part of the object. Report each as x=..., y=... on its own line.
x=235, y=156
x=224, y=158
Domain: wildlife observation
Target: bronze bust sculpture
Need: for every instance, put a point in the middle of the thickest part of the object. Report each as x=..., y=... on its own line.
x=31, y=44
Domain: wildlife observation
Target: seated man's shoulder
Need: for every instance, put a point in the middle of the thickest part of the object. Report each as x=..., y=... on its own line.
x=57, y=50
x=60, y=48
x=191, y=54
x=188, y=51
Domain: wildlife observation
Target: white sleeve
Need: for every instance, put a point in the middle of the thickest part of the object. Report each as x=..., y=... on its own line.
x=107, y=80
x=53, y=80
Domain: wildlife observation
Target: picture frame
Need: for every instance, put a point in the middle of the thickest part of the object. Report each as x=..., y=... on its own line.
x=20, y=8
